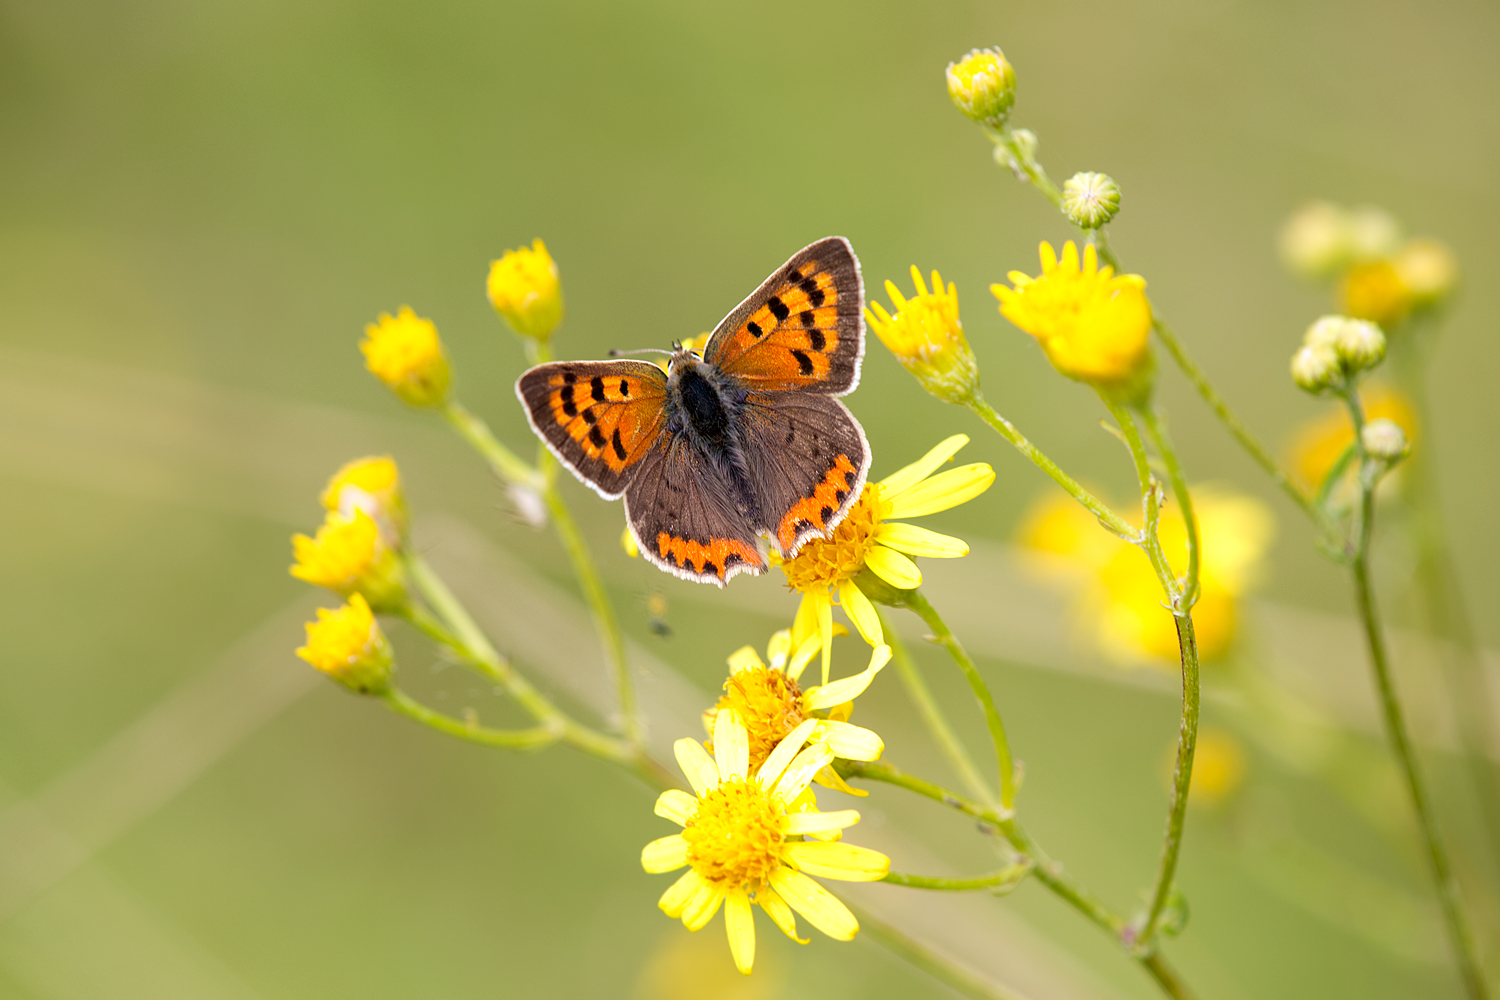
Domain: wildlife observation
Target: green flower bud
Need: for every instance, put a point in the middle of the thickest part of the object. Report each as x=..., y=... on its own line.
x=983, y=86
x=1090, y=200
x=1384, y=440
x=1360, y=345
x=1316, y=368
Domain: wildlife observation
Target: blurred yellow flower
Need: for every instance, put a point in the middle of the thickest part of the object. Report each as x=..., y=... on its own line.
x=523, y=287
x=1427, y=268
x=1093, y=325
x=927, y=338
x=1317, y=444
x=867, y=539
x=349, y=646
x=1375, y=291
x=348, y=556
x=404, y=352
x=372, y=485
x=1218, y=767
x=738, y=841
x=1119, y=598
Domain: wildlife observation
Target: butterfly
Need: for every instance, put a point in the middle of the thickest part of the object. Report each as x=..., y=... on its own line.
x=746, y=440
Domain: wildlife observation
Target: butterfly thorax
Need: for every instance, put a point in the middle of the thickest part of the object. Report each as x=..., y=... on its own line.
x=700, y=402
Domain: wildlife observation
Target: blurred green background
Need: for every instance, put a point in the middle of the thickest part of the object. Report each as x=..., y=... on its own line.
x=201, y=205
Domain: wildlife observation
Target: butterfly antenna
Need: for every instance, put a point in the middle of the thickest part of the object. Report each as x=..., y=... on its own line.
x=617, y=353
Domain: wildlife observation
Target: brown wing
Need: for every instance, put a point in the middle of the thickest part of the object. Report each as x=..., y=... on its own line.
x=685, y=518
x=600, y=418
x=808, y=459
x=803, y=330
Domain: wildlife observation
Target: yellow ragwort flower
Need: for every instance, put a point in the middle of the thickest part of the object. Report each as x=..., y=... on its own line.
x=1375, y=291
x=983, y=86
x=1093, y=325
x=770, y=703
x=372, y=485
x=348, y=556
x=1119, y=598
x=927, y=338
x=349, y=646
x=523, y=287
x=740, y=841
x=404, y=352
x=866, y=538
x=1317, y=444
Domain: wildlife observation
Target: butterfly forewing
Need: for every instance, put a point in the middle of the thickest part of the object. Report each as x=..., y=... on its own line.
x=802, y=330
x=685, y=518
x=808, y=459
x=601, y=418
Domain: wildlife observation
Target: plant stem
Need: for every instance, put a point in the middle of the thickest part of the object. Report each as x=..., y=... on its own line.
x=1046, y=871
x=512, y=739
x=918, y=603
x=1111, y=521
x=939, y=967
x=932, y=715
x=501, y=459
x=1156, y=427
x=1007, y=876
x=1149, y=540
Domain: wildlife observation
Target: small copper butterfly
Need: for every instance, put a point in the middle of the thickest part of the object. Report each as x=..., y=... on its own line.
x=745, y=440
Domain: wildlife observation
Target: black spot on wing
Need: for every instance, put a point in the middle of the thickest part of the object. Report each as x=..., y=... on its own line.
x=620, y=451
x=596, y=437
x=598, y=386
x=754, y=328
x=778, y=308
x=804, y=363
x=815, y=338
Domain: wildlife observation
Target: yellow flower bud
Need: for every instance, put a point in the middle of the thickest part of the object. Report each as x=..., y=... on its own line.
x=927, y=338
x=983, y=86
x=404, y=352
x=372, y=485
x=348, y=556
x=1428, y=269
x=523, y=287
x=1315, y=367
x=349, y=646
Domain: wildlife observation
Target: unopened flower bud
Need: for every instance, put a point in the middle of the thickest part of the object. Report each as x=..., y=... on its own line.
x=404, y=352
x=1315, y=367
x=1360, y=345
x=349, y=646
x=1427, y=268
x=524, y=288
x=1090, y=200
x=1384, y=440
x=1317, y=240
x=983, y=86
x=1373, y=233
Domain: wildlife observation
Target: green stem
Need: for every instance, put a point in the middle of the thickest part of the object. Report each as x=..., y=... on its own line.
x=1008, y=876
x=939, y=967
x=1156, y=427
x=919, y=604
x=932, y=716
x=1035, y=175
x=1446, y=885
x=501, y=459
x=1111, y=521
x=1149, y=540
x=1048, y=872
x=512, y=739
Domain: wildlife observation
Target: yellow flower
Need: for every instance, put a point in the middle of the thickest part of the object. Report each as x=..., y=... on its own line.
x=372, y=485
x=404, y=352
x=739, y=841
x=983, y=86
x=866, y=538
x=1119, y=596
x=348, y=556
x=1317, y=445
x=770, y=704
x=1218, y=767
x=1428, y=269
x=927, y=338
x=1094, y=325
x=523, y=287
x=349, y=646
x=1375, y=291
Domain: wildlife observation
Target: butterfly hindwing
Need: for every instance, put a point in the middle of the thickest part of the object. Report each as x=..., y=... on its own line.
x=802, y=330
x=807, y=458
x=601, y=418
x=686, y=517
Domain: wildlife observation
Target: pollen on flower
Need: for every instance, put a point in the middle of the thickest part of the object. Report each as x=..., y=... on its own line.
x=769, y=705
x=735, y=839
x=825, y=562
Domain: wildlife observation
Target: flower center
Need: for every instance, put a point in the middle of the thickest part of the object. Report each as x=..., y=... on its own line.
x=734, y=841
x=769, y=705
x=826, y=562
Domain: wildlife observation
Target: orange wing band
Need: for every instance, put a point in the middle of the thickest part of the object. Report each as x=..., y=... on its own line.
x=715, y=558
x=817, y=510
x=588, y=409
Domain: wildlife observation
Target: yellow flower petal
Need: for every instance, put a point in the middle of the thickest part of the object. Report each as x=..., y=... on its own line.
x=731, y=747
x=919, y=541
x=818, y=822
x=851, y=742
x=824, y=610
x=740, y=924
x=923, y=467
x=778, y=649
x=702, y=773
x=840, y=861
x=676, y=805
x=847, y=688
x=785, y=752
x=744, y=658
x=945, y=490
x=862, y=613
x=676, y=899
x=779, y=912
x=801, y=770
x=665, y=855
x=894, y=568
x=817, y=905
x=702, y=907
x=829, y=778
